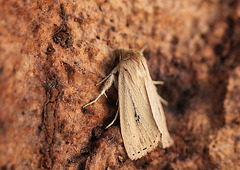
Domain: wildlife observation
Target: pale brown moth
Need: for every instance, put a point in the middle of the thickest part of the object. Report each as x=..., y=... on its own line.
x=142, y=119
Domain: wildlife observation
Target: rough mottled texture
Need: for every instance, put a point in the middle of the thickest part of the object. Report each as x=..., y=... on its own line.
x=53, y=52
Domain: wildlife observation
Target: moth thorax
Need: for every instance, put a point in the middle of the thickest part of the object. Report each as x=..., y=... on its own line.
x=124, y=55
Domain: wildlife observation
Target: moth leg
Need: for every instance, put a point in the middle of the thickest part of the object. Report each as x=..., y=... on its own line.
x=103, y=79
x=105, y=95
x=106, y=86
x=160, y=98
x=113, y=120
x=112, y=72
x=158, y=82
x=163, y=100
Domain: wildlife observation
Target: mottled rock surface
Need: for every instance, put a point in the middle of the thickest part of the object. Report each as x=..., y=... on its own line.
x=52, y=53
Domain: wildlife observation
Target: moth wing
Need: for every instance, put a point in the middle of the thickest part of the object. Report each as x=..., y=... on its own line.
x=157, y=111
x=139, y=131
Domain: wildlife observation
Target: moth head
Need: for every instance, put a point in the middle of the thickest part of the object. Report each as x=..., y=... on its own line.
x=124, y=54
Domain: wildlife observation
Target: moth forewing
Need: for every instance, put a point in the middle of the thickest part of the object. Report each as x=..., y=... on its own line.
x=138, y=128
x=166, y=138
x=158, y=114
x=142, y=120
x=156, y=107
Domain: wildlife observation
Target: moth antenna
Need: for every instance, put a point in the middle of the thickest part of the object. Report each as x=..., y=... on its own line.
x=143, y=48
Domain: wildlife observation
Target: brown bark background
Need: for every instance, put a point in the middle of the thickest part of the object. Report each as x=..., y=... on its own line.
x=52, y=53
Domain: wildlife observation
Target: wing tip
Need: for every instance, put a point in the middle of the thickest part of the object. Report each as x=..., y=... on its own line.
x=143, y=151
x=167, y=142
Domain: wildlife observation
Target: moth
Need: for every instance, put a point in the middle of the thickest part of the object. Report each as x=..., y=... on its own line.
x=142, y=119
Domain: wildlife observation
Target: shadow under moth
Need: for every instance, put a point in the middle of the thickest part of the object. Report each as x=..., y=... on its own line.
x=142, y=119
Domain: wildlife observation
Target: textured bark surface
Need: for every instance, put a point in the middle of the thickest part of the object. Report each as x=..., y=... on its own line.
x=52, y=53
